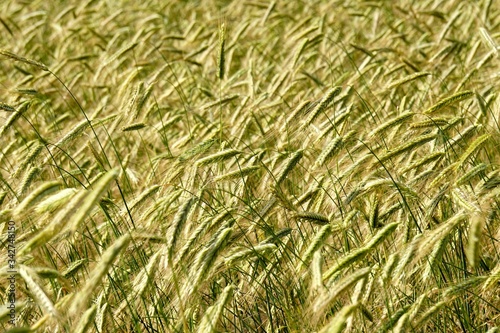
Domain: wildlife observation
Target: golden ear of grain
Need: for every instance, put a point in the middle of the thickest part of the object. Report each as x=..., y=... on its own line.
x=338, y=323
x=408, y=146
x=460, y=96
x=178, y=223
x=92, y=198
x=472, y=149
x=288, y=167
x=208, y=322
x=322, y=304
x=30, y=62
x=322, y=105
x=37, y=291
x=29, y=159
x=86, y=320
x=217, y=157
x=409, y=78
x=35, y=196
x=108, y=257
x=346, y=260
x=28, y=179
x=315, y=245
x=15, y=116
x=255, y=251
x=473, y=245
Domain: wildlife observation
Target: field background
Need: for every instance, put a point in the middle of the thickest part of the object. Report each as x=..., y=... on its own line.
x=251, y=166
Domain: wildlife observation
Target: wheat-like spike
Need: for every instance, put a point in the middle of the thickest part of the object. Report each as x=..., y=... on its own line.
x=29, y=159
x=315, y=245
x=86, y=320
x=336, y=288
x=292, y=118
x=346, y=260
x=288, y=167
x=178, y=223
x=460, y=96
x=329, y=151
x=198, y=149
x=30, y=62
x=407, y=146
x=313, y=217
x=251, y=252
x=133, y=127
x=430, y=123
x=107, y=259
x=7, y=107
x=217, y=157
x=448, y=172
x=73, y=267
x=240, y=173
x=381, y=235
x=390, y=265
x=391, y=123
x=201, y=230
x=37, y=291
x=213, y=313
x=144, y=196
x=423, y=161
x=488, y=40
x=221, y=60
x=492, y=279
x=298, y=51
x=35, y=196
x=474, y=243
x=55, y=201
x=374, y=212
x=29, y=176
x=407, y=255
x=433, y=258
x=3, y=195
x=92, y=198
x=338, y=323
x=407, y=79
x=15, y=116
x=471, y=174
x=205, y=260
x=316, y=272
x=439, y=233
x=119, y=53
x=472, y=149
x=142, y=101
x=323, y=104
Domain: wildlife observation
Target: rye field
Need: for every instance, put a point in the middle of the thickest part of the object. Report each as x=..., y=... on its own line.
x=250, y=166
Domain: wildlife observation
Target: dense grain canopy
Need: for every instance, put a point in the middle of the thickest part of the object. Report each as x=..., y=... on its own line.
x=250, y=166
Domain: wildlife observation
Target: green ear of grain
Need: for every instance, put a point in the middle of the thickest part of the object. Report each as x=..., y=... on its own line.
x=460, y=96
x=133, y=127
x=221, y=60
x=313, y=217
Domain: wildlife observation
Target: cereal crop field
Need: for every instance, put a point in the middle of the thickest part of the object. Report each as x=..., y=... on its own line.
x=250, y=166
